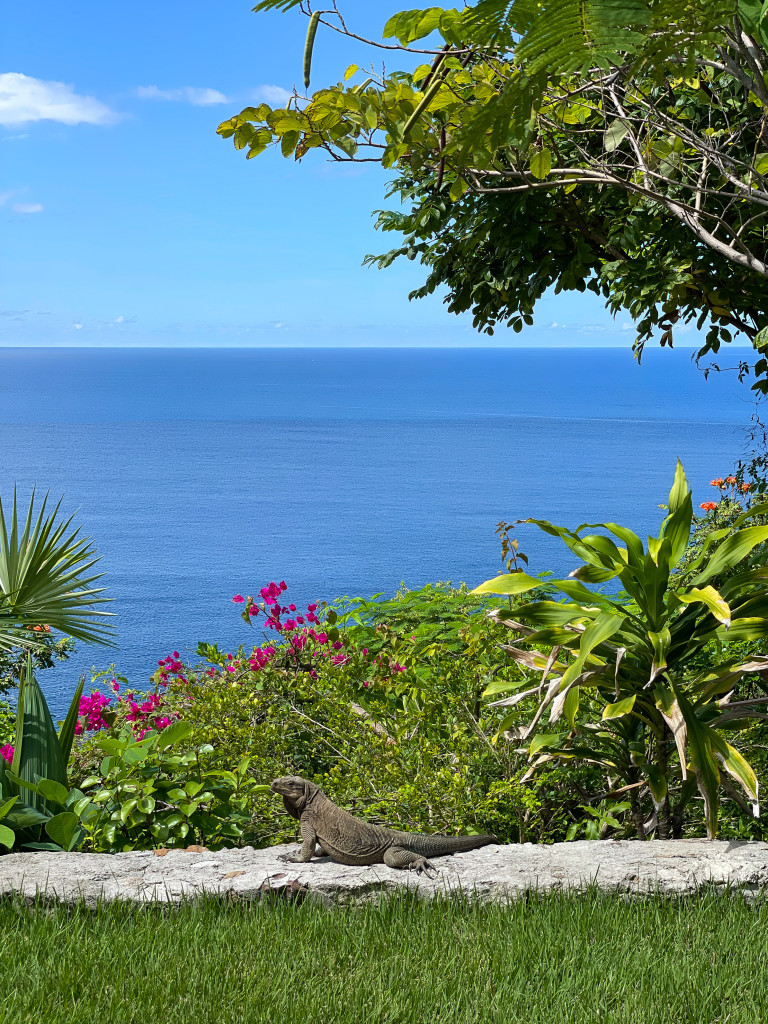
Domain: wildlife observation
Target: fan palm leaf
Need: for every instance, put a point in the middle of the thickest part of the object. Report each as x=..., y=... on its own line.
x=46, y=579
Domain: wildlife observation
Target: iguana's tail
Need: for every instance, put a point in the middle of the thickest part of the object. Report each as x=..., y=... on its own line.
x=438, y=846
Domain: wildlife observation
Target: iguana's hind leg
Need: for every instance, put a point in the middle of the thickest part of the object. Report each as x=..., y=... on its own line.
x=398, y=857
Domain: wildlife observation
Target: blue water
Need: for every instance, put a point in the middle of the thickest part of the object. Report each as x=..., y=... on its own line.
x=201, y=473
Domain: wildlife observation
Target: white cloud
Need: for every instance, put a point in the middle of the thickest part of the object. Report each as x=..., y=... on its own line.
x=186, y=94
x=4, y=197
x=24, y=99
x=27, y=207
x=272, y=94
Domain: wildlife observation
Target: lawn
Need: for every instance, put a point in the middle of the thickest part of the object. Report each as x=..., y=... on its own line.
x=549, y=958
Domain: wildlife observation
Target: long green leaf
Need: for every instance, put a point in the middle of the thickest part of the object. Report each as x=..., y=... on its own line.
x=730, y=552
x=509, y=583
x=703, y=760
x=37, y=753
x=711, y=598
x=67, y=730
x=738, y=768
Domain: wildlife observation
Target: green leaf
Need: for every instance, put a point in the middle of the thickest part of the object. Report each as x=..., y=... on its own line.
x=541, y=163
x=657, y=783
x=173, y=734
x=6, y=807
x=64, y=829
x=731, y=551
x=621, y=707
x=616, y=131
x=510, y=583
x=54, y=792
x=7, y=837
x=543, y=740
x=680, y=489
x=67, y=730
x=571, y=705
x=37, y=753
x=738, y=768
x=702, y=760
x=711, y=598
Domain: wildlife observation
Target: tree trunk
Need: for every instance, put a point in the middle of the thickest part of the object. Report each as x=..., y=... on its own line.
x=637, y=814
x=662, y=762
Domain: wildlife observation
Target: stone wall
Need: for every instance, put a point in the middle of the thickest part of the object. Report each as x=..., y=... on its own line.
x=494, y=872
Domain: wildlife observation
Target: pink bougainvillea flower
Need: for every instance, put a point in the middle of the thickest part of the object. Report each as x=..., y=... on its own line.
x=708, y=506
x=238, y=599
x=6, y=752
x=116, y=686
x=283, y=585
x=292, y=607
x=253, y=610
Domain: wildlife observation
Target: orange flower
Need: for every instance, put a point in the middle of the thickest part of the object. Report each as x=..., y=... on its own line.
x=745, y=487
x=708, y=506
x=730, y=479
x=718, y=482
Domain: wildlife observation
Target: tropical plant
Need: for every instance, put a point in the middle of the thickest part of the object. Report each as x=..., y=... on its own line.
x=46, y=581
x=37, y=800
x=148, y=794
x=616, y=677
x=634, y=125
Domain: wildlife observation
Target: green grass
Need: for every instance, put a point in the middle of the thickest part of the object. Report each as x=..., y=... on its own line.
x=552, y=958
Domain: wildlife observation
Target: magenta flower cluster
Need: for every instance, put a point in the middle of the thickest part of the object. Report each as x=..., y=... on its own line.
x=301, y=640
x=171, y=667
x=6, y=752
x=145, y=716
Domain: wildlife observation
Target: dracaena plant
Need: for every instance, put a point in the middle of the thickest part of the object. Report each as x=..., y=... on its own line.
x=615, y=680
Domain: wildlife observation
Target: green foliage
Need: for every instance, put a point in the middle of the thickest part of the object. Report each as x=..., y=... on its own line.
x=617, y=681
x=38, y=805
x=614, y=145
x=148, y=794
x=7, y=723
x=599, y=821
x=49, y=651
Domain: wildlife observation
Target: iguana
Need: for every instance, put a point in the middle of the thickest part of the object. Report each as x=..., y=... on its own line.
x=350, y=841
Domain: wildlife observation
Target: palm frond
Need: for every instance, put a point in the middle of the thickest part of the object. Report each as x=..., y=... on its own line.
x=46, y=579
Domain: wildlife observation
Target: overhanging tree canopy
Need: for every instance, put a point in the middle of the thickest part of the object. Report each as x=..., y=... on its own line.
x=620, y=145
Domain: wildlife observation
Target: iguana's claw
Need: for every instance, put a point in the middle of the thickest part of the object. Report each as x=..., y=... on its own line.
x=422, y=864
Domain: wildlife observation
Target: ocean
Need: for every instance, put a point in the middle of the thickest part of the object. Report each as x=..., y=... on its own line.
x=201, y=473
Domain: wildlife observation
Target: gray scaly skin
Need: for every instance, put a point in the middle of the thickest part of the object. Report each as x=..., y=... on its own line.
x=327, y=829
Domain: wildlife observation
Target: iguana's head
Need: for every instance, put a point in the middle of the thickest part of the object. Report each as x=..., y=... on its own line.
x=295, y=791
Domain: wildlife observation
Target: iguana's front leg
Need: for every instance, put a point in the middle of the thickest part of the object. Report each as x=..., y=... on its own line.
x=309, y=844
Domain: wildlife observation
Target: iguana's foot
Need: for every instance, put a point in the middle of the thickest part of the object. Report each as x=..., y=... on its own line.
x=397, y=857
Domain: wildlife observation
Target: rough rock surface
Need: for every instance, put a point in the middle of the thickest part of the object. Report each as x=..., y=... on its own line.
x=495, y=872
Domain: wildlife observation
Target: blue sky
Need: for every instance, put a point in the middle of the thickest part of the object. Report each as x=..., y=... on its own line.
x=127, y=221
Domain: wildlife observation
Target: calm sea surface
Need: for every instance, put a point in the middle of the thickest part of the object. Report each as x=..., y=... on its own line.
x=200, y=473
